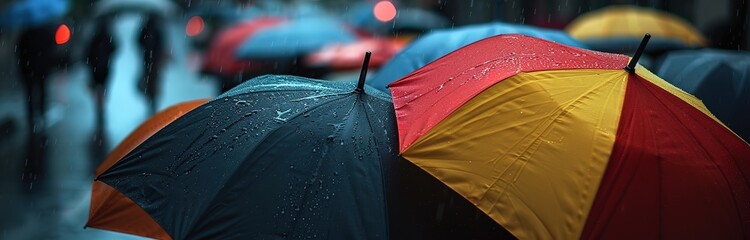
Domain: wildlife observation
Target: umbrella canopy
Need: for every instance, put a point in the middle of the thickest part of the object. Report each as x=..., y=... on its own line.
x=556, y=142
x=439, y=43
x=718, y=77
x=108, y=7
x=349, y=56
x=294, y=38
x=32, y=13
x=619, y=29
x=109, y=207
x=220, y=59
x=281, y=157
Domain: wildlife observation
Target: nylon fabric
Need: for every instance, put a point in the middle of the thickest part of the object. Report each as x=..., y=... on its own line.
x=674, y=173
x=146, y=130
x=121, y=214
x=464, y=73
x=530, y=150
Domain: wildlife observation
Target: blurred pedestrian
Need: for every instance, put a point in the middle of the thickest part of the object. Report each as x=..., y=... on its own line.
x=99, y=55
x=152, y=41
x=36, y=52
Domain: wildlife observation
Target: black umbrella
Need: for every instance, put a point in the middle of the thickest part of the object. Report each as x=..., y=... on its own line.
x=283, y=157
x=720, y=78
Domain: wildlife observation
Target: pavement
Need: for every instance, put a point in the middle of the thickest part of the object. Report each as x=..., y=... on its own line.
x=55, y=206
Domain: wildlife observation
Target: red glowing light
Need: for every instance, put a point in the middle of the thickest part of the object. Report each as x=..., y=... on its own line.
x=384, y=11
x=62, y=35
x=194, y=26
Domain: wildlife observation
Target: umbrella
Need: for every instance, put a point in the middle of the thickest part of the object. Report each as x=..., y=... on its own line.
x=281, y=157
x=720, y=78
x=33, y=13
x=107, y=7
x=109, y=207
x=557, y=142
x=439, y=43
x=348, y=56
x=619, y=28
x=220, y=59
x=294, y=38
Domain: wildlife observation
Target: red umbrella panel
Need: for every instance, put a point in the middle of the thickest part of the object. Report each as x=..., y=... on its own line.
x=220, y=58
x=557, y=142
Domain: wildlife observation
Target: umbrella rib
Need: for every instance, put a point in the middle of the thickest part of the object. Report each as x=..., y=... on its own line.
x=382, y=172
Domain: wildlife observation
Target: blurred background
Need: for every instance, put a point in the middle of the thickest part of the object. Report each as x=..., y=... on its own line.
x=77, y=76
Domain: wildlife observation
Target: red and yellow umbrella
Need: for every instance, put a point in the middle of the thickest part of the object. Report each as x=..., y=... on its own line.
x=557, y=142
x=111, y=209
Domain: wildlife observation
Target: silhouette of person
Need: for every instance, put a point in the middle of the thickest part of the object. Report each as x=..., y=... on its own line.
x=99, y=54
x=36, y=58
x=154, y=56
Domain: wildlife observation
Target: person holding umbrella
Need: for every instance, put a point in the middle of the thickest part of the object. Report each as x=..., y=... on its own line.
x=152, y=42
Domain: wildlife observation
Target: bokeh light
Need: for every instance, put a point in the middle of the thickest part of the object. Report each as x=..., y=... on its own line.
x=384, y=11
x=194, y=26
x=62, y=35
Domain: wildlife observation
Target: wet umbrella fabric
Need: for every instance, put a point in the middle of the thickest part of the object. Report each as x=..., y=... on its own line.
x=620, y=28
x=109, y=209
x=294, y=38
x=31, y=13
x=283, y=156
x=556, y=142
x=718, y=77
x=439, y=43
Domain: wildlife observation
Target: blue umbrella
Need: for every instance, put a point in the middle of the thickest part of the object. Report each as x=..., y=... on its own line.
x=720, y=78
x=294, y=38
x=439, y=43
x=33, y=13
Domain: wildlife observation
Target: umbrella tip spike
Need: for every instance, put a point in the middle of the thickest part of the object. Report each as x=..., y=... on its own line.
x=633, y=61
x=363, y=74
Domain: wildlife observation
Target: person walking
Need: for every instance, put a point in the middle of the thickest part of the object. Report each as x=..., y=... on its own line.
x=152, y=41
x=99, y=55
x=36, y=52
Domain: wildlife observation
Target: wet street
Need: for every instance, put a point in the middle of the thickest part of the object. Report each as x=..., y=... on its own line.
x=56, y=206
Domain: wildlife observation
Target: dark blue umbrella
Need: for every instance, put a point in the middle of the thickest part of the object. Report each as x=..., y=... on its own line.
x=718, y=77
x=439, y=43
x=282, y=157
x=294, y=38
x=33, y=13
